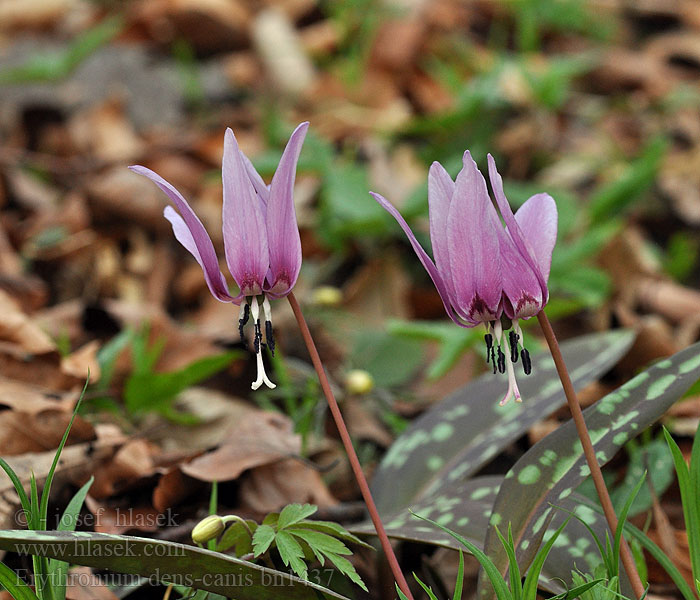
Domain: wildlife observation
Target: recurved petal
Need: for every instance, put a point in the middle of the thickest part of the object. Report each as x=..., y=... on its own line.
x=422, y=256
x=440, y=190
x=473, y=234
x=212, y=275
x=538, y=222
x=282, y=229
x=245, y=234
x=521, y=244
x=190, y=232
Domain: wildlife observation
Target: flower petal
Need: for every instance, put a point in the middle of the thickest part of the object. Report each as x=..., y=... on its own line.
x=473, y=234
x=282, y=230
x=245, y=235
x=440, y=191
x=521, y=287
x=422, y=256
x=258, y=182
x=513, y=228
x=538, y=222
x=190, y=232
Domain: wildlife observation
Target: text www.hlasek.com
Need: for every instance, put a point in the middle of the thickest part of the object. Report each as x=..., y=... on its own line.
x=78, y=548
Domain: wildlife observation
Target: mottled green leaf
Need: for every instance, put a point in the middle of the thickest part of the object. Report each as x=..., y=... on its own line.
x=465, y=508
x=167, y=562
x=555, y=466
x=458, y=436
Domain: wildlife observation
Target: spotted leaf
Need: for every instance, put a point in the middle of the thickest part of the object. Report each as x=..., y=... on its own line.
x=458, y=436
x=550, y=471
x=465, y=508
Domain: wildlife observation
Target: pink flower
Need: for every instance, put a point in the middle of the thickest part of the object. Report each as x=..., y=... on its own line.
x=483, y=271
x=261, y=237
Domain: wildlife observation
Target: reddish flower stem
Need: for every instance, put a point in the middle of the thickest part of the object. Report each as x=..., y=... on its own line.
x=349, y=449
x=589, y=452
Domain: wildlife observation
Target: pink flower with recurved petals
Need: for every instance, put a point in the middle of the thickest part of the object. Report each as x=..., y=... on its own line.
x=486, y=273
x=261, y=237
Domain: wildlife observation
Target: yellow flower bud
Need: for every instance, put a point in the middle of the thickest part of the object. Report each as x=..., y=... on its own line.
x=208, y=529
x=358, y=381
x=327, y=295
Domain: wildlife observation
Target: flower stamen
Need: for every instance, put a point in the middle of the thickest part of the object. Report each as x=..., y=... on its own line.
x=513, y=390
x=269, y=337
x=262, y=376
x=243, y=315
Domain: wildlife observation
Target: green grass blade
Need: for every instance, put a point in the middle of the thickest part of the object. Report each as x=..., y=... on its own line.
x=19, y=488
x=578, y=590
x=605, y=556
x=513, y=568
x=39, y=563
x=13, y=584
x=499, y=585
x=690, y=514
x=58, y=569
x=622, y=518
x=533, y=574
x=694, y=509
x=49, y=477
x=460, y=578
x=657, y=553
x=425, y=587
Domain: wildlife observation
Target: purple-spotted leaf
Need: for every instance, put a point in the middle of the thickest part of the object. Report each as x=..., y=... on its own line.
x=458, y=436
x=550, y=471
x=167, y=562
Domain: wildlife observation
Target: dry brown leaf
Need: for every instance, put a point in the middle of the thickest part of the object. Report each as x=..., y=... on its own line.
x=108, y=519
x=379, y=290
x=277, y=43
x=270, y=487
x=363, y=425
x=172, y=488
x=217, y=414
x=17, y=328
x=33, y=420
x=105, y=133
x=258, y=438
x=78, y=462
x=117, y=192
x=131, y=463
x=18, y=14
x=209, y=25
x=83, y=362
x=398, y=43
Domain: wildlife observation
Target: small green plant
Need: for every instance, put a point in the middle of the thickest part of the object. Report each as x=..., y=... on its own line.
x=689, y=484
x=58, y=65
x=144, y=389
x=519, y=589
x=289, y=535
x=609, y=569
x=50, y=575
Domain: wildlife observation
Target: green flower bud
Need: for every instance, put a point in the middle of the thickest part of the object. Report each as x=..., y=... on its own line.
x=208, y=529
